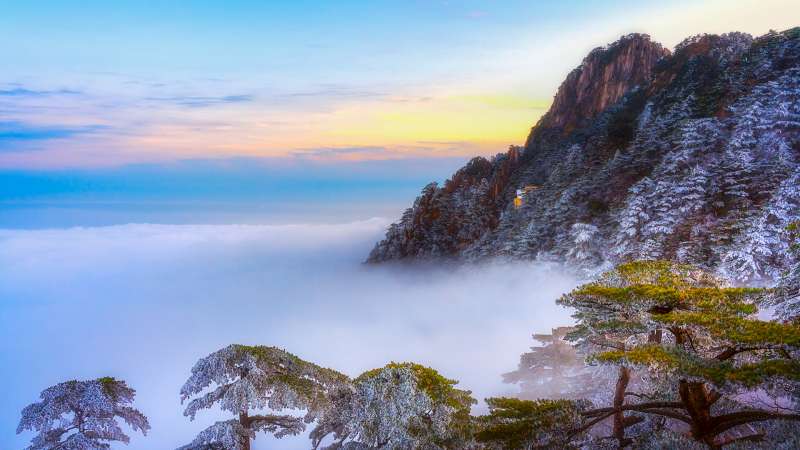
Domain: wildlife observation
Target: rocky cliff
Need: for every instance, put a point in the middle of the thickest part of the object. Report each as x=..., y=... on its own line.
x=691, y=155
x=604, y=77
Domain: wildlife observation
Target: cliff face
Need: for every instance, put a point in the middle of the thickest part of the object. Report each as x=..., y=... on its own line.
x=604, y=77
x=692, y=155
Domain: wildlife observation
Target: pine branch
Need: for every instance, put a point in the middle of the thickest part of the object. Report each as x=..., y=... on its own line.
x=725, y=422
x=733, y=351
x=636, y=407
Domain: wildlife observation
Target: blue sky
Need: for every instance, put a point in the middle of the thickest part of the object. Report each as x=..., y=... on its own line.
x=351, y=41
x=97, y=90
x=236, y=190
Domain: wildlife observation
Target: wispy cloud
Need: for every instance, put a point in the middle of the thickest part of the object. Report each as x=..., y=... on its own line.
x=440, y=143
x=24, y=92
x=13, y=132
x=203, y=101
x=343, y=153
x=507, y=101
x=336, y=91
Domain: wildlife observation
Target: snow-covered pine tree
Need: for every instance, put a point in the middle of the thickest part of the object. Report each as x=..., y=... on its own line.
x=473, y=218
x=586, y=251
x=758, y=254
x=632, y=219
x=244, y=380
x=82, y=415
x=402, y=406
x=787, y=295
x=680, y=193
x=551, y=370
x=761, y=144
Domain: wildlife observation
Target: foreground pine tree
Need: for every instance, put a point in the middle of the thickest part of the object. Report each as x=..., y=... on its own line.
x=82, y=415
x=399, y=406
x=242, y=379
x=695, y=367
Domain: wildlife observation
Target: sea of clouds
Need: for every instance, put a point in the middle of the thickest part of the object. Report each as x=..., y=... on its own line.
x=143, y=302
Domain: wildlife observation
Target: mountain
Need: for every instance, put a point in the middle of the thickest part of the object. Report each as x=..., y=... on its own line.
x=691, y=155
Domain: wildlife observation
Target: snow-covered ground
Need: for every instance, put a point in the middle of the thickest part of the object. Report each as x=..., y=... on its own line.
x=144, y=302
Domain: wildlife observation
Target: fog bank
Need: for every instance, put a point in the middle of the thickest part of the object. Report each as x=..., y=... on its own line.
x=144, y=302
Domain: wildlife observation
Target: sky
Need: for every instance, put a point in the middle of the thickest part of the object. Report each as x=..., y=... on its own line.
x=99, y=84
x=263, y=111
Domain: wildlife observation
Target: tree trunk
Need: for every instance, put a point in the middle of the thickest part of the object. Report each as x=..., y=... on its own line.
x=244, y=420
x=619, y=401
x=698, y=400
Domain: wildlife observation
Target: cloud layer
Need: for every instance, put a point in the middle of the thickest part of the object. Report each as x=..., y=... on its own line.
x=144, y=302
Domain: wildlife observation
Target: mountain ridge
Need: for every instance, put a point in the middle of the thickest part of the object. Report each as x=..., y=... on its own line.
x=691, y=155
x=604, y=76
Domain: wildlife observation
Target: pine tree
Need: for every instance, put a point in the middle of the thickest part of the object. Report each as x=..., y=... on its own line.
x=691, y=334
x=514, y=424
x=82, y=415
x=553, y=370
x=787, y=295
x=399, y=406
x=689, y=352
x=765, y=134
x=246, y=379
x=762, y=252
x=586, y=251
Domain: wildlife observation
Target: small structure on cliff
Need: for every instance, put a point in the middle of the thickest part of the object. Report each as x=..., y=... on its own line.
x=522, y=193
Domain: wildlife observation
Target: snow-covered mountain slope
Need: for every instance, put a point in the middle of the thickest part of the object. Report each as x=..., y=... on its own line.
x=691, y=155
